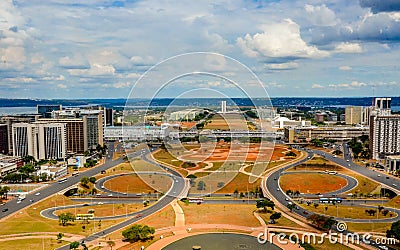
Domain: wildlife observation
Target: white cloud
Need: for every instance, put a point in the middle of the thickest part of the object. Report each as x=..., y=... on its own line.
x=320, y=15
x=317, y=86
x=54, y=78
x=347, y=47
x=282, y=66
x=279, y=40
x=120, y=85
x=62, y=86
x=77, y=61
x=352, y=85
x=214, y=83
x=345, y=68
x=95, y=70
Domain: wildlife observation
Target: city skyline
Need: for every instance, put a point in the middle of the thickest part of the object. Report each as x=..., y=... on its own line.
x=301, y=48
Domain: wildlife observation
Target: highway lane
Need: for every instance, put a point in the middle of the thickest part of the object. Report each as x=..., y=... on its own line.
x=272, y=184
x=347, y=162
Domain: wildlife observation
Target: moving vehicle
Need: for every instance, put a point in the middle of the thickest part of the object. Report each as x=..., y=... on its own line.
x=21, y=197
x=62, y=180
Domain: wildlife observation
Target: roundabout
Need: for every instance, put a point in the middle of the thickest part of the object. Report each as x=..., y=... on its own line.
x=50, y=213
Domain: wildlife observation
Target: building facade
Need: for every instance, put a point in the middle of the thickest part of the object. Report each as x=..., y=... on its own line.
x=3, y=139
x=40, y=140
x=353, y=115
x=384, y=136
x=337, y=133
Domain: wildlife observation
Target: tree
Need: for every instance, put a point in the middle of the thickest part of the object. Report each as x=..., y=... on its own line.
x=291, y=206
x=291, y=153
x=27, y=169
x=74, y=245
x=138, y=233
x=4, y=191
x=59, y=236
x=92, y=179
x=275, y=216
x=201, y=185
x=29, y=159
x=65, y=217
x=394, y=230
x=316, y=205
x=264, y=203
x=321, y=221
x=84, y=181
x=111, y=243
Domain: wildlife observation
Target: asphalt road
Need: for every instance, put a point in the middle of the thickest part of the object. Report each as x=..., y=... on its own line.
x=392, y=182
x=272, y=184
x=176, y=189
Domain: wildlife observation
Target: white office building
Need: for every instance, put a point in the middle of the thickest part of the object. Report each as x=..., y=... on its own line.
x=384, y=136
x=40, y=140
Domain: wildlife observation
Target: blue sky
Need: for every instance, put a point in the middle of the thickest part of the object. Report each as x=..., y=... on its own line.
x=99, y=49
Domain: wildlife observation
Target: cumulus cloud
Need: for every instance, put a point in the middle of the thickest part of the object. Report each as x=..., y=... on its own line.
x=279, y=40
x=317, y=86
x=77, y=61
x=347, y=47
x=94, y=70
x=320, y=15
x=62, y=86
x=345, y=68
x=282, y=66
x=352, y=85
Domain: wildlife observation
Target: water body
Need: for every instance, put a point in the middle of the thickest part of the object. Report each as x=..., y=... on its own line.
x=220, y=241
x=17, y=110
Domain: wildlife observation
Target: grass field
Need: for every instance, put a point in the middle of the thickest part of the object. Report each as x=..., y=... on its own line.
x=365, y=186
x=311, y=183
x=343, y=211
x=368, y=227
x=283, y=221
x=220, y=214
x=33, y=243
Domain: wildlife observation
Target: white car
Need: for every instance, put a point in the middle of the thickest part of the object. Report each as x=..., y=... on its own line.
x=19, y=201
x=37, y=194
x=379, y=175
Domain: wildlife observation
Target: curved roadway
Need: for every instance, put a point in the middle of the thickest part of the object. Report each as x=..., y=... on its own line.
x=177, y=188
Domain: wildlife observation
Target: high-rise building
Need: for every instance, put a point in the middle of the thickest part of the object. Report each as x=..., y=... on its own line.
x=384, y=136
x=40, y=140
x=108, y=117
x=223, y=106
x=12, y=119
x=84, y=128
x=3, y=139
x=46, y=110
x=353, y=115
